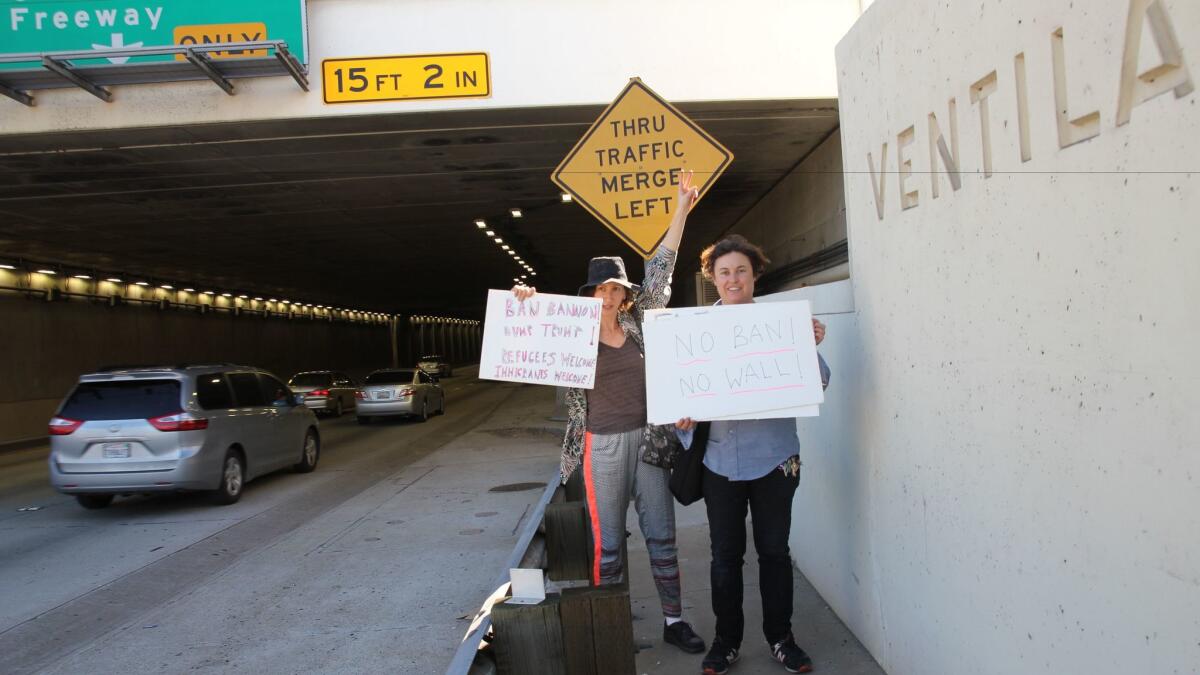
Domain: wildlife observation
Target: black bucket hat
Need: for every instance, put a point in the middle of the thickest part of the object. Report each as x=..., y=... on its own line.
x=605, y=269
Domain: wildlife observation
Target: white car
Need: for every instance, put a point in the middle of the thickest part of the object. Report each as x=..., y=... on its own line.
x=408, y=392
x=436, y=364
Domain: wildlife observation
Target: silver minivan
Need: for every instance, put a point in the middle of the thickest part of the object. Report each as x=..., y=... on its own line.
x=152, y=429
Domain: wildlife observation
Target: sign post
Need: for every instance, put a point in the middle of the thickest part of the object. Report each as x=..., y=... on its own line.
x=625, y=169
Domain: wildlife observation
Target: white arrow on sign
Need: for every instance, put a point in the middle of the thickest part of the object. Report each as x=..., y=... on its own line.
x=118, y=42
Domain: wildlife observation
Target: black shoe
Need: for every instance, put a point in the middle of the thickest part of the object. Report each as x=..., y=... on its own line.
x=681, y=635
x=793, y=658
x=719, y=658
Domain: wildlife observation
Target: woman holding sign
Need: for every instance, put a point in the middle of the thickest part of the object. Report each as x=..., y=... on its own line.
x=607, y=434
x=752, y=464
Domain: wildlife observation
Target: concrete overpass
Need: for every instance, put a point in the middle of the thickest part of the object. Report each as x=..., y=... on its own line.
x=366, y=212
x=1004, y=472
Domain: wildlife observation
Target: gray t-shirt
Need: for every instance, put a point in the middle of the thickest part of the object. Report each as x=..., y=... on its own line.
x=618, y=401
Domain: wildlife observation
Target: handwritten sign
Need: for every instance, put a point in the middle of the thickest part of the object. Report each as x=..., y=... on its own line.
x=625, y=169
x=730, y=362
x=547, y=339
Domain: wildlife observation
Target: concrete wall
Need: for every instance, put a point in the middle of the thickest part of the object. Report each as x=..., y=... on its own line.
x=1005, y=472
x=803, y=214
x=542, y=54
x=47, y=345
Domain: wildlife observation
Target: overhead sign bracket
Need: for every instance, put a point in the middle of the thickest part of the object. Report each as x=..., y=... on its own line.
x=67, y=72
x=194, y=62
x=204, y=63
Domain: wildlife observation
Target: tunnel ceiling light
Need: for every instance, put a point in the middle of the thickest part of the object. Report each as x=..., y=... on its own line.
x=6, y=266
x=505, y=247
x=189, y=290
x=258, y=299
x=566, y=198
x=114, y=280
x=50, y=272
x=516, y=213
x=82, y=276
x=480, y=224
x=209, y=293
x=167, y=287
x=490, y=233
x=498, y=240
x=141, y=283
x=512, y=252
x=227, y=295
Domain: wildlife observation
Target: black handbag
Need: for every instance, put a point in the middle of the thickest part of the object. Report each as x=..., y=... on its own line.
x=687, y=476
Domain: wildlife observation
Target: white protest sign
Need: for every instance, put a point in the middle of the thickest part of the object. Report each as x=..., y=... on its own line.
x=547, y=339
x=730, y=361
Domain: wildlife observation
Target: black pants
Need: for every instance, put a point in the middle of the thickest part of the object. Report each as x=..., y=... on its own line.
x=770, y=502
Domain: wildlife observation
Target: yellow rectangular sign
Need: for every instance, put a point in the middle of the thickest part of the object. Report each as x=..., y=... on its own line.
x=218, y=33
x=396, y=78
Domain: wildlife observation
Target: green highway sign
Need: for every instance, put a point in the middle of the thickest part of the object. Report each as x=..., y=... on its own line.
x=34, y=26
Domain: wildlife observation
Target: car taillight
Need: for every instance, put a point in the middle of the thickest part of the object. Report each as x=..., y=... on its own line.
x=318, y=392
x=61, y=426
x=405, y=392
x=180, y=421
x=360, y=394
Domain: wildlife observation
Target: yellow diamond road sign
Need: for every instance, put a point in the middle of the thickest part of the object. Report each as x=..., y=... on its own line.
x=625, y=169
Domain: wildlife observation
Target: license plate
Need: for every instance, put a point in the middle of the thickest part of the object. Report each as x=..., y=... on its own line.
x=116, y=451
x=383, y=394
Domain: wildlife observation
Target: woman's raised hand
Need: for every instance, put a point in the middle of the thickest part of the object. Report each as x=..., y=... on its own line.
x=688, y=193
x=523, y=292
x=685, y=424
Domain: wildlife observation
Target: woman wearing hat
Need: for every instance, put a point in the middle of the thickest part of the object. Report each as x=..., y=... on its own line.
x=607, y=434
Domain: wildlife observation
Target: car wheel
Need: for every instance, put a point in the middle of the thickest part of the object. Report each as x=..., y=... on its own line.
x=233, y=478
x=309, y=454
x=363, y=419
x=425, y=410
x=337, y=409
x=94, y=501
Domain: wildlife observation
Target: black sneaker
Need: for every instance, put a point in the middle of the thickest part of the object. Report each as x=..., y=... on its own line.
x=793, y=658
x=681, y=635
x=719, y=658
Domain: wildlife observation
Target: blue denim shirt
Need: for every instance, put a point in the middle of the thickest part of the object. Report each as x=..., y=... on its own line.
x=750, y=449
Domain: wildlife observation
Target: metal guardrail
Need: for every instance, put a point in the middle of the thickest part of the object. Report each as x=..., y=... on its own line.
x=467, y=650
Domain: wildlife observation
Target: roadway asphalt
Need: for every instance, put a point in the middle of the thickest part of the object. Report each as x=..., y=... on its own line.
x=373, y=563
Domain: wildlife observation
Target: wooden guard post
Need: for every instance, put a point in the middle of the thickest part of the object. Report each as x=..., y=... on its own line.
x=582, y=631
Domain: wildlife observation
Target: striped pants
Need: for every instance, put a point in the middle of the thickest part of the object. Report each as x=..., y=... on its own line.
x=612, y=473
